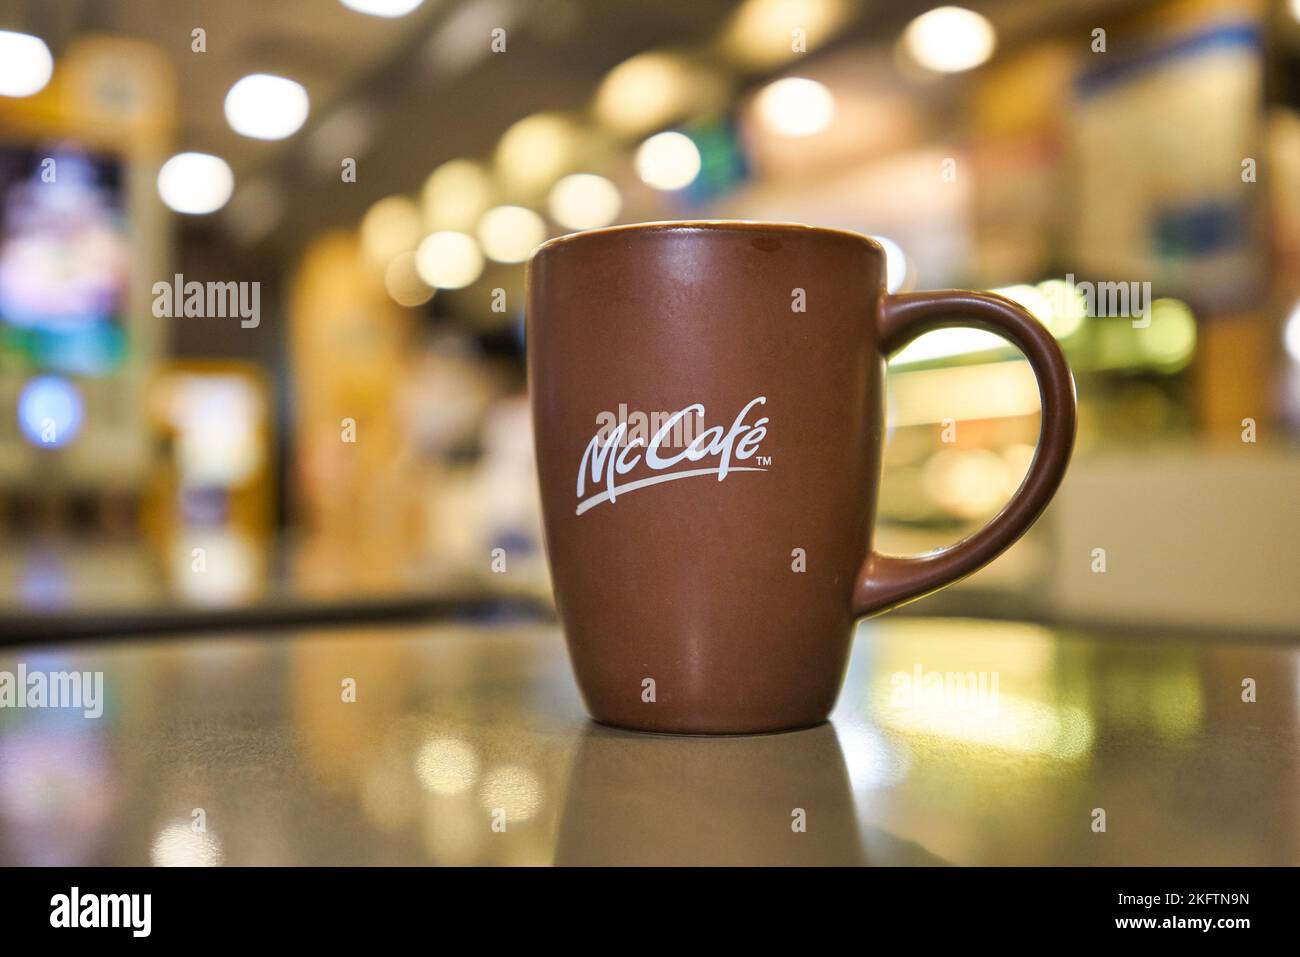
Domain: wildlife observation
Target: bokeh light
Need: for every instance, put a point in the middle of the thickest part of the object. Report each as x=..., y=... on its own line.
x=950, y=39
x=266, y=107
x=645, y=92
x=50, y=411
x=390, y=227
x=1068, y=307
x=760, y=32
x=382, y=8
x=795, y=106
x=509, y=234
x=668, y=161
x=456, y=195
x=448, y=260
x=403, y=283
x=195, y=183
x=25, y=64
x=972, y=483
x=1291, y=332
x=584, y=201
x=180, y=845
x=513, y=789
x=536, y=151
x=1170, y=341
x=446, y=765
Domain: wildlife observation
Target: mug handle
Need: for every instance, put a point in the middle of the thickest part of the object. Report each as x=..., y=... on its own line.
x=885, y=581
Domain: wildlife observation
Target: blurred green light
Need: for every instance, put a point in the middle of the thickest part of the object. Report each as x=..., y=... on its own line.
x=1170, y=341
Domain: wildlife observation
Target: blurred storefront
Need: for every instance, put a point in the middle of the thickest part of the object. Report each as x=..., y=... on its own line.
x=355, y=422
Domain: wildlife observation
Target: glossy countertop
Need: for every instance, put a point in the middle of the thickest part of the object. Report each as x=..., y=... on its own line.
x=954, y=742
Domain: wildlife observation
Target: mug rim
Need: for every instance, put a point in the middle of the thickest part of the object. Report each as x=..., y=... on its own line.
x=704, y=226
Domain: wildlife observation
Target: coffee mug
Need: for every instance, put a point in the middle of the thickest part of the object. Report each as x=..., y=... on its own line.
x=708, y=410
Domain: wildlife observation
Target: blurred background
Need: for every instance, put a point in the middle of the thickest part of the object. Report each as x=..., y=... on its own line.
x=261, y=284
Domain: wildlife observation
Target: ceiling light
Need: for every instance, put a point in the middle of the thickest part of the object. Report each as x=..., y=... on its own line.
x=25, y=64
x=509, y=234
x=536, y=151
x=584, y=201
x=382, y=8
x=461, y=38
x=448, y=260
x=764, y=33
x=668, y=161
x=195, y=183
x=402, y=281
x=266, y=107
x=796, y=106
x=950, y=39
x=390, y=227
x=455, y=195
x=644, y=93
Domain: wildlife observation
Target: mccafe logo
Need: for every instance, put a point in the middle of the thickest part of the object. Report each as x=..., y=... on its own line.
x=612, y=454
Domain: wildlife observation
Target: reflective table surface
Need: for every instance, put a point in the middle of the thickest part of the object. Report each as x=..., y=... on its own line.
x=954, y=742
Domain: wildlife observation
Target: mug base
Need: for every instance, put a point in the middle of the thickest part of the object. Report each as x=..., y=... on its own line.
x=722, y=731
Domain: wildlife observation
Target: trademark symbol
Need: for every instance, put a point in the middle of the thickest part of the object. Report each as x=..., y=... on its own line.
x=764, y=460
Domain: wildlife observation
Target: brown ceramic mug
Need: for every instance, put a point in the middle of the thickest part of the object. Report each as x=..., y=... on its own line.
x=708, y=403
